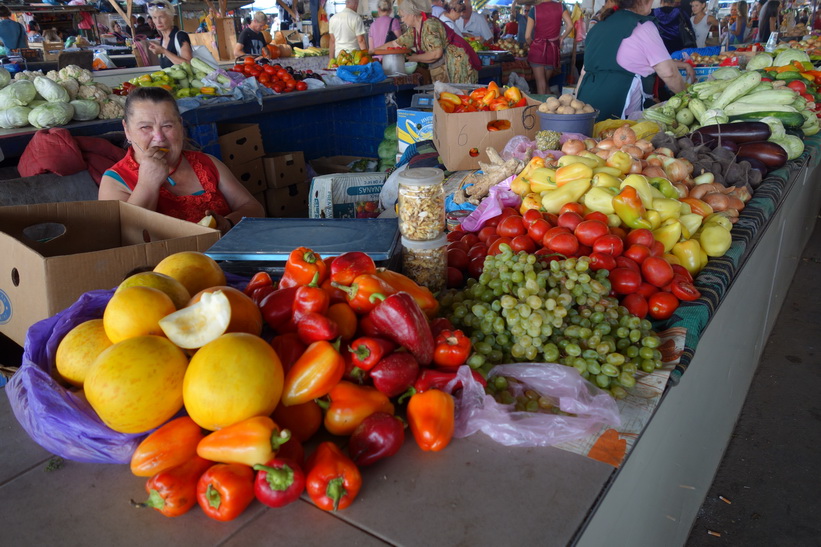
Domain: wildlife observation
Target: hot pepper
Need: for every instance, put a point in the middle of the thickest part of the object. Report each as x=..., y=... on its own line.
x=249, y=442
x=260, y=285
x=629, y=208
x=394, y=374
x=452, y=349
x=173, y=491
x=225, y=490
x=422, y=295
x=436, y=379
x=302, y=265
x=350, y=404
x=310, y=298
x=332, y=479
x=360, y=291
x=313, y=327
x=345, y=318
x=303, y=421
x=379, y=436
x=277, y=307
x=366, y=351
x=169, y=446
x=279, y=482
x=401, y=319
x=318, y=370
x=348, y=266
x=289, y=349
x=431, y=419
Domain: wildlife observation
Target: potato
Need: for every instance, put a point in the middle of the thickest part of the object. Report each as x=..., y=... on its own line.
x=552, y=103
x=588, y=109
x=566, y=110
x=577, y=104
x=565, y=99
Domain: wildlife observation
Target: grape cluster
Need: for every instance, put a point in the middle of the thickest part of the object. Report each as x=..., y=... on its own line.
x=522, y=310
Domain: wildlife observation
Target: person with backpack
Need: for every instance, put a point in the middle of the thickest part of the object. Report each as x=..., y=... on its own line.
x=675, y=29
x=385, y=28
x=175, y=45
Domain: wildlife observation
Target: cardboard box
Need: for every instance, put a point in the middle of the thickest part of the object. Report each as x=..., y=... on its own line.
x=329, y=165
x=251, y=174
x=239, y=143
x=283, y=170
x=456, y=135
x=288, y=202
x=413, y=125
x=55, y=252
x=347, y=195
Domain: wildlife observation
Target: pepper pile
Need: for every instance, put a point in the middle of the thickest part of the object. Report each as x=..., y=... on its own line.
x=491, y=97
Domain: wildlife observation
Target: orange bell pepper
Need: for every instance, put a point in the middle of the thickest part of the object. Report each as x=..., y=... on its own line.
x=422, y=295
x=302, y=265
x=499, y=103
x=332, y=480
x=493, y=86
x=431, y=417
x=363, y=287
x=303, y=421
x=490, y=96
x=478, y=94
x=350, y=404
x=249, y=442
x=449, y=108
x=450, y=98
x=345, y=318
x=318, y=370
x=513, y=94
x=171, y=445
x=697, y=206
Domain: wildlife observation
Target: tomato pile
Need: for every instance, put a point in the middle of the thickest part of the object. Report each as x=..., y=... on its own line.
x=644, y=282
x=276, y=77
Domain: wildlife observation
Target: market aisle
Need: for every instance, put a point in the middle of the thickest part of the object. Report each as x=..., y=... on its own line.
x=769, y=472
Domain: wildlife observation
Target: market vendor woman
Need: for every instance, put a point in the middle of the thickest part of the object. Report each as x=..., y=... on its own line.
x=622, y=56
x=157, y=174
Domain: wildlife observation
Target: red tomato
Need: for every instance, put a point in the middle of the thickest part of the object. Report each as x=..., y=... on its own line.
x=551, y=218
x=301, y=86
x=494, y=221
x=269, y=69
x=506, y=212
x=657, y=248
x=577, y=208
x=625, y=280
x=807, y=97
x=458, y=245
x=602, y=261
x=290, y=85
x=799, y=86
x=618, y=231
x=458, y=258
x=470, y=238
x=624, y=262
x=454, y=236
x=264, y=78
x=584, y=250
x=637, y=253
x=647, y=290
x=551, y=233
x=494, y=247
x=683, y=289
x=282, y=73
x=569, y=220
x=588, y=231
x=636, y=304
x=511, y=226
x=491, y=239
x=662, y=305
x=249, y=60
x=480, y=250
x=277, y=87
x=640, y=236
x=609, y=244
x=531, y=216
x=456, y=279
x=678, y=269
x=656, y=271
x=537, y=230
x=596, y=215
x=546, y=256
x=476, y=266
x=239, y=68
x=486, y=232
x=566, y=244
x=523, y=243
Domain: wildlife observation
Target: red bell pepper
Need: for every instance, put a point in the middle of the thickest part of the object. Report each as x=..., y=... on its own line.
x=431, y=419
x=260, y=285
x=359, y=293
x=277, y=307
x=173, y=491
x=345, y=318
x=350, y=404
x=279, y=482
x=313, y=327
x=225, y=490
x=249, y=442
x=318, y=370
x=436, y=379
x=366, y=351
x=169, y=446
x=302, y=265
x=394, y=374
x=292, y=450
x=452, y=349
x=310, y=298
x=303, y=421
x=289, y=349
x=348, y=266
x=332, y=479
x=422, y=295
x=379, y=436
x=366, y=327
x=334, y=295
x=400, y=318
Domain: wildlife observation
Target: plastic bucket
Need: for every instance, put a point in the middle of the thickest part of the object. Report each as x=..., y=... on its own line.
x=568, y=123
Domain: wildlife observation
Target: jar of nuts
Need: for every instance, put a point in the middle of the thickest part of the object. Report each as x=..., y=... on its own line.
x=426, y=262
x=421, y=203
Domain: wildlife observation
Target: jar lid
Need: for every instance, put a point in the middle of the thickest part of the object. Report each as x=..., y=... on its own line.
x=440, y=241
x=421, y=176
x=458, y=214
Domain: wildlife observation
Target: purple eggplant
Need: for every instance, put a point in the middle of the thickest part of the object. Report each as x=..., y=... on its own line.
x=772, y=155
x=394, y=374
x=378, y=436
x=739, y=133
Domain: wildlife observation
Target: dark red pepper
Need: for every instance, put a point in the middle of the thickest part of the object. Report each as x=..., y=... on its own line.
x=379, y=436
x=313, y=327
x=400, y=318
x=439, y=324
x=437, y=379
x=347, y=266
x=367, y=351
x=277, y=307
x=310, y=298
x=289, y=349
x=394, y=374
x=260, y=285
x=366, y=327
x=279, y=482
x=173, y=491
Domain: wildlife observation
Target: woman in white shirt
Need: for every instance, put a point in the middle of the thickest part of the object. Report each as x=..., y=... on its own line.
x=702, y=22
x=453, y=11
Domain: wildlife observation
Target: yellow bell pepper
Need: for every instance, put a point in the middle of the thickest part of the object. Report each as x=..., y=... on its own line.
x=534, y=163
x=574, y=171
x=569, y=159
x=643, y=188
x=627, y=204
x=667, y=208
x=606, y=180
x=690, y=223
x=530, y=201
x=609, y=171
x=715, y=239
x=621, y=161
x=669, y=233
x=654, y=218
x=689, y=255
x=598, y=162
x=671, y=259
x=600, y=199
x=570, y=192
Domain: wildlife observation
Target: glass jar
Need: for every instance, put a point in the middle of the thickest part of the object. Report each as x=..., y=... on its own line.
x=421, y=203
x=426, y=262
x=454, y=219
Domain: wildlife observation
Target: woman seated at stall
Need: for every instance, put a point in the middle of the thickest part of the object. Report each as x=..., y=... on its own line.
x=622, y=55
x=117, y=32
x=175, y=45
x=444, y=51
x=157, y=174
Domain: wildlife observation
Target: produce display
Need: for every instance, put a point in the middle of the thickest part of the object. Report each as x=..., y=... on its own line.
x=274, y=76
x=343, y=58
x=566, y=104
x=491, y=97
x=183, y=80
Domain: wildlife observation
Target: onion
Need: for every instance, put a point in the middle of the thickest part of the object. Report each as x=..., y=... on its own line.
x=605, y=154
x=682, y=189
x=624, y=135
x=634, y=151
x=664, y=152
x=635, y=167
x=573, y=147
x=676, y=171
x=652, y=171
x=590, y=144
x=645, y=146
x=654, y=160
x=607, y=144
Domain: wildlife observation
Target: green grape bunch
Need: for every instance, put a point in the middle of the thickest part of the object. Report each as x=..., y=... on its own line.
x=522, y=309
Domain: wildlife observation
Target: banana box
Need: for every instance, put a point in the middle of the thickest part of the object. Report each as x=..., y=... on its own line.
x=413, y=125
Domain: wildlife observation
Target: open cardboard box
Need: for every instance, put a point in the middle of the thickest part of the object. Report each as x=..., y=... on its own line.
x=55, y=252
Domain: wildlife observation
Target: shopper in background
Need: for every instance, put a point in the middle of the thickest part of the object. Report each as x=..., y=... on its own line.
x=33, y=34
x=174, y=46
x=701, y=21
x=117, y=31
x=474, y=24
x=622, y=55
x=738, y=28
x=153, y=33
x=143, y=28
x=386, y=27
x=769, y=21
x=251, y=41
x=285, y=17
x=604, y=12
x=437, y=8
x=495, y=26
x=512, y=26
x=12, y=33
x=453, y=12
x=676, y=31
x=347, y=31
x=157, y=174
x=544, y=36
x=51, y=35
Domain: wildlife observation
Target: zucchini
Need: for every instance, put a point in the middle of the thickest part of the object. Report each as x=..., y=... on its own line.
x=773, y=96
x=788, y=119
x=737, y=88
x=698, y=108
x=743, y=107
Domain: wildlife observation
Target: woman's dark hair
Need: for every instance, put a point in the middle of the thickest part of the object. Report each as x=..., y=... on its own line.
x=33, y=26
x=156, y=95
x=770, y=10
x=628, y=4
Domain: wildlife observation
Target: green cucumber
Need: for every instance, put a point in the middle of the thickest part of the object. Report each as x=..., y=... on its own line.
x=789, y=119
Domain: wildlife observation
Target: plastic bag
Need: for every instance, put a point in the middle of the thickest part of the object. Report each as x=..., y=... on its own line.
x=477, y=411
x=499, y=197
x=361, y=74
x=522, y=148
x=514, y=80
x=57, y=419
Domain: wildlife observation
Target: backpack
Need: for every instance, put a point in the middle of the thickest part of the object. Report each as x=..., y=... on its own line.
x=685, y=30
x=391, y=35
